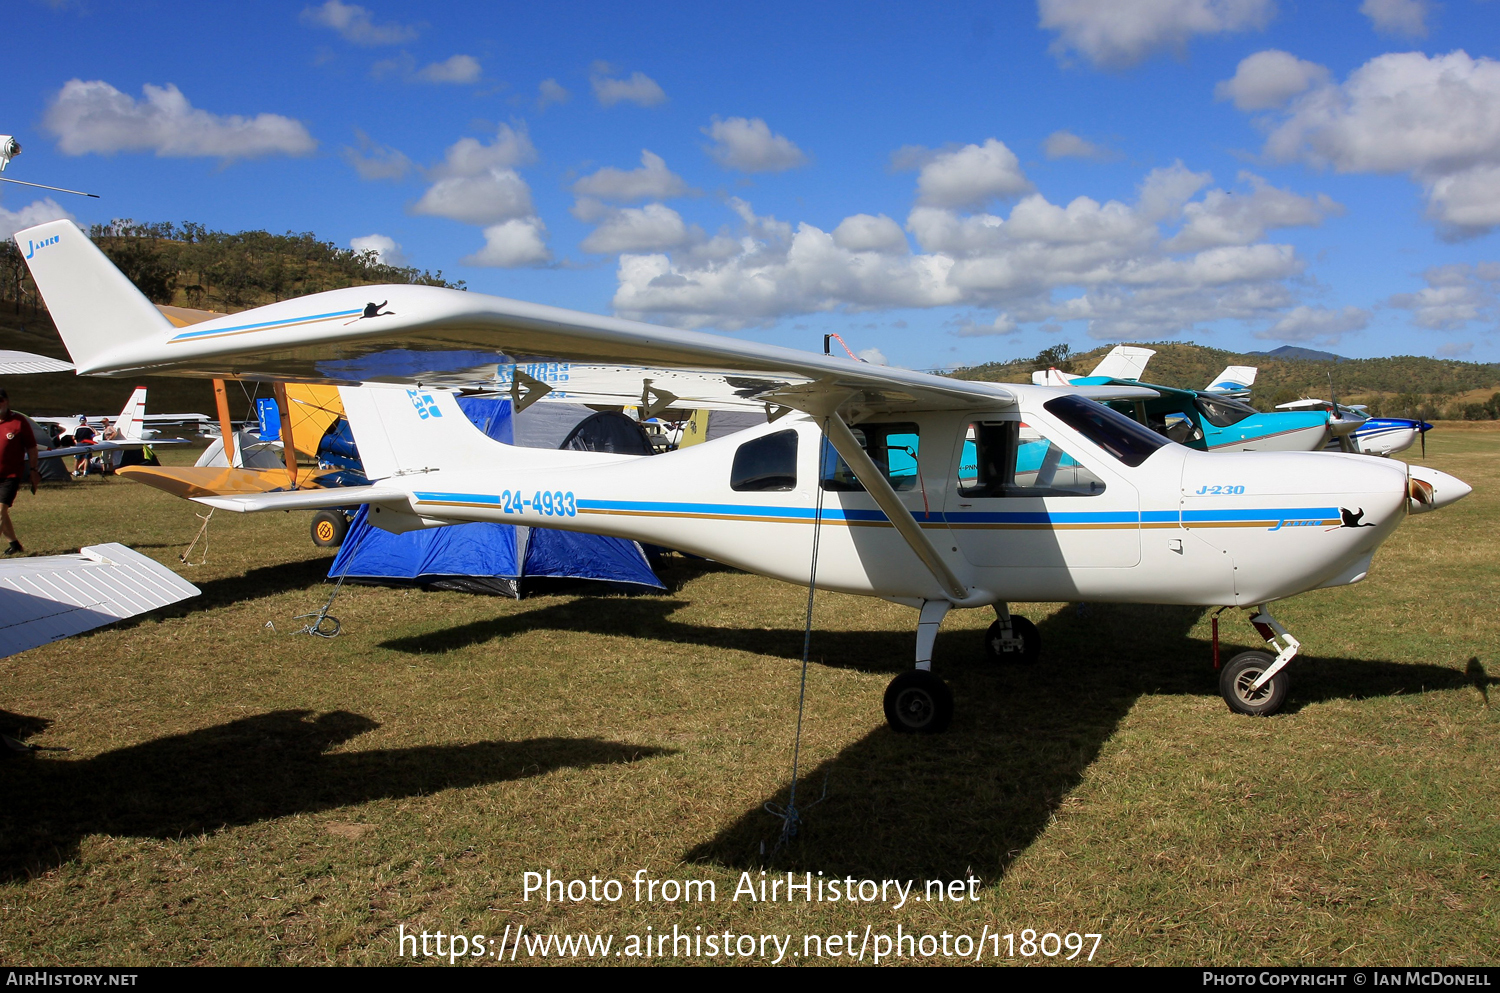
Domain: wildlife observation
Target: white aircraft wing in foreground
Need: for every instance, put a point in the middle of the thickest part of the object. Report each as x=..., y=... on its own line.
x=45, y=598
x=14, y=363
x=926, y=491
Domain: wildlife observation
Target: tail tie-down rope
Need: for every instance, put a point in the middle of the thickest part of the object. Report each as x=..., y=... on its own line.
x=789, y=815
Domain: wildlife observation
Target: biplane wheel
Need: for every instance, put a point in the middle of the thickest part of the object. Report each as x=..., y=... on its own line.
x=329, y=528
x=995, y=649
x=917, y=702
x=1243, y=670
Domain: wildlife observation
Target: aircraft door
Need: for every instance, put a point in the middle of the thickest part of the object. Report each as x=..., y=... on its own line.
x=1022, y=500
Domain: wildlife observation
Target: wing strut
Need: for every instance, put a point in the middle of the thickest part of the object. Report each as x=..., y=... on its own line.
x=879, y=487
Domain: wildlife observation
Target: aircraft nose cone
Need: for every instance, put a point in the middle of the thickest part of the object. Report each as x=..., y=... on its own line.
x=1429, y=489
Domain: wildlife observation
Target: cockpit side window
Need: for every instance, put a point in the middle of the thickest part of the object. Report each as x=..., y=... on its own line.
x=766, y=464
x=892, y=447
x=1221, y=412
x=1011, y=459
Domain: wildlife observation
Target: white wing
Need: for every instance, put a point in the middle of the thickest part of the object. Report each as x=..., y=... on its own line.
x=435, y=336
x=50, y=597
x=26, y=364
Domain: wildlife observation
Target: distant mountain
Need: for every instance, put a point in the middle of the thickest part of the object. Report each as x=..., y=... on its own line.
x=1297, y=353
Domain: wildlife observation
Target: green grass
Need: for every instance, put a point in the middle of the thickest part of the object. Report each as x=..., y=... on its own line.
x=238, y=794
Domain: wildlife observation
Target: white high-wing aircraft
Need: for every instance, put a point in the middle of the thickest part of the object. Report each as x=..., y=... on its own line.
x=126, y=431
x=942, y=493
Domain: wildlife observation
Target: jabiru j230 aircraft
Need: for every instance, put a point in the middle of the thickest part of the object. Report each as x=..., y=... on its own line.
x=1064, y=499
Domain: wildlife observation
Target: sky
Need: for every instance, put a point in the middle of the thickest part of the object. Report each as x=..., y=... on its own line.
x=941, y=185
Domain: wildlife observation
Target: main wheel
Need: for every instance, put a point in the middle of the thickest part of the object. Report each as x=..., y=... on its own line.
x=1030, y=648
x=1240, y=673
x=917, y=702
x=329, y=528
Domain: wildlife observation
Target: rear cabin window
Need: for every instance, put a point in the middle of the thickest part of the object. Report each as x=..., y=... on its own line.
x=892, y=447
x=1221, y=412
x=1011, y=459
x=766, y=464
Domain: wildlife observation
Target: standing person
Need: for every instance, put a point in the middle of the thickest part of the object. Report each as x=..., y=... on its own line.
x=17, y=446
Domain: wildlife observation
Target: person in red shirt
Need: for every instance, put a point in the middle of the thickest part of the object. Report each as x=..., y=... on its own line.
x=17, y=447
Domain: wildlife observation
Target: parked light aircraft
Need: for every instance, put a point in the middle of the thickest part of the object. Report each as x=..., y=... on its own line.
x=1372, y=435
x=124, y=433
x=863, y=460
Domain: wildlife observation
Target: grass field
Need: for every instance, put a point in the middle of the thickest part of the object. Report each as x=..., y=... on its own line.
x=239, y=793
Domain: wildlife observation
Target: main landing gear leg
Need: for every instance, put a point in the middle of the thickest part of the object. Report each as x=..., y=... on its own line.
x=1011, y=639
x=1255, y=683
x=917, y=702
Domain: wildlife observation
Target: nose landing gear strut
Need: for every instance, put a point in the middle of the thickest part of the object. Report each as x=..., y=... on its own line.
x=1255, y=683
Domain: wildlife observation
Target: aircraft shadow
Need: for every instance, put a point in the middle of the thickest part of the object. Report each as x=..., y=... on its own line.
x=246, y=771
x=971, y=800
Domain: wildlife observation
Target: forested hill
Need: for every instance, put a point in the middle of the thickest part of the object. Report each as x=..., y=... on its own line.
x=186, y=266
x=1405, y=383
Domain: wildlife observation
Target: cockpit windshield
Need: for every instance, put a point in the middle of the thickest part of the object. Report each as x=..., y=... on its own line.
x=1112, y=431
x=1222, y=411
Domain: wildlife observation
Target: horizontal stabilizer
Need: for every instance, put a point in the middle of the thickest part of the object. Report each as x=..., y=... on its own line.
x=337, y=496
x=191, y=482
x=50, y=597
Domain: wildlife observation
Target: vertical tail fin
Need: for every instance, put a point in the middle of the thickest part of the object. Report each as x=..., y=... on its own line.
x=1234, y=379
x=1124, y=362
x=96, y=308
x=131, y=424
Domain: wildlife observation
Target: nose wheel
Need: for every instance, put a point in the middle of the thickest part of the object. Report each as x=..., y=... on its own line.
x=1238, y=679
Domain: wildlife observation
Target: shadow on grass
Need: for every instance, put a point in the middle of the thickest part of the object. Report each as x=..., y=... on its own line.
x=973, y=799
x=246, y=771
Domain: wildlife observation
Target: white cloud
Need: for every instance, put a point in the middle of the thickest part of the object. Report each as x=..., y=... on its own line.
x=454, y=69
x=864, y=233
x=493, y=195
x=1435, y=118
x=652, y=228
x=1109, y=264
x=1269, y=79
x=95, y=117
x=477, y=183
x=638, y=88
x=1117, y=34
x=36, y=212
x=652, y=181
x=1067, y=145
x=1002, y=324
x=386, y=250
x=1455, y=296
x=376, y=161
x=1223, y=218
x=519, y=242
x=1400, y=17
x=964, y=177
x=549, y=92
x=874, y=356
x=749, y=146
x=1317, y=325
x=356, y=24
x=472, y=157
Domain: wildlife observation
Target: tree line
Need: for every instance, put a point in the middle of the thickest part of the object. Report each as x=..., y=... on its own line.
x=188, y=265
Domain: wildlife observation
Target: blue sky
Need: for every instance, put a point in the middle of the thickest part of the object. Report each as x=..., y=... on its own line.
x=940, y=185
